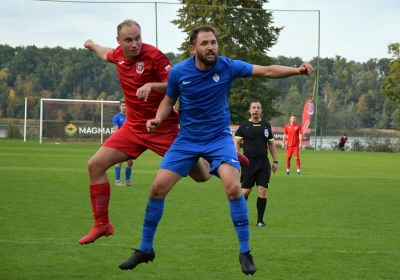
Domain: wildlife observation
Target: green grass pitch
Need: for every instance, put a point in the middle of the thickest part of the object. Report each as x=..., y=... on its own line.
x=338, y=220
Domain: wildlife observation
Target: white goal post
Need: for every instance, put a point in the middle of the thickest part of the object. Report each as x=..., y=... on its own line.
x=76, y=120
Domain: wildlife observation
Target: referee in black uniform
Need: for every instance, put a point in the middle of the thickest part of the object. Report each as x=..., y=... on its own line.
x=257, y=138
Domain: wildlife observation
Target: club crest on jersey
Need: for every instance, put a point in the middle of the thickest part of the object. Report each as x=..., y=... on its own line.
x=139, y=67
x=266, y=133
x=216, y=78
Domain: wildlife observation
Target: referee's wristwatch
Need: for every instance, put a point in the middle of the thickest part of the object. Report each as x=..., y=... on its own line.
x=276, y=161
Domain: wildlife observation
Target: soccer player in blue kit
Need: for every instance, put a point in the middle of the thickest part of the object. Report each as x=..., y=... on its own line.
x=203, y=84
x=118, y=122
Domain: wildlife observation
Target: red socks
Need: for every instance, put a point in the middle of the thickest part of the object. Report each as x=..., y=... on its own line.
x=288, y=163
x=100, y=197
x=298, y=163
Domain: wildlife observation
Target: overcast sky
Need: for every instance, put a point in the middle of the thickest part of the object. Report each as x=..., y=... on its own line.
x=354, y=29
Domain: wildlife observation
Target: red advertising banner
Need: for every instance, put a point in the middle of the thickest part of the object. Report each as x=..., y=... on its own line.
x=308, y=112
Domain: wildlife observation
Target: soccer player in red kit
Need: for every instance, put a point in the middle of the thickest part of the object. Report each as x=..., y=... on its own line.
x=143, y=71
x=294, y=135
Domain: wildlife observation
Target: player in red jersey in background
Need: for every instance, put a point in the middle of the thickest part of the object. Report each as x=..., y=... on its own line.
x=143, y=71
x=294, y=135
x=342, y=142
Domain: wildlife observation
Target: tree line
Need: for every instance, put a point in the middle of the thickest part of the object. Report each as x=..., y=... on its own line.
x=349, y=93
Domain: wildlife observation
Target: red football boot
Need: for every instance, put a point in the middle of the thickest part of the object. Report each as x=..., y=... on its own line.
x=96, y=232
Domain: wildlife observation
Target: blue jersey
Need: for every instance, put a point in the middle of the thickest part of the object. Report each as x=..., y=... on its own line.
x=118, y=120
x=203, y=95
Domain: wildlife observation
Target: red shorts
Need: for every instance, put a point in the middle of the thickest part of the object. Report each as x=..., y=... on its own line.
x=135, y=143
x=292, y=150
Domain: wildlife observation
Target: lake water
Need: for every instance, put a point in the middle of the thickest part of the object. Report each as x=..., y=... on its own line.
x=326, y=141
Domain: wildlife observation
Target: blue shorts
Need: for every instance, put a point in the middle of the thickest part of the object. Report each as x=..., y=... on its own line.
x=186, y=151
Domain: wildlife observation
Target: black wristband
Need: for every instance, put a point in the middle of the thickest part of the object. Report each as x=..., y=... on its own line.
x=276, y=161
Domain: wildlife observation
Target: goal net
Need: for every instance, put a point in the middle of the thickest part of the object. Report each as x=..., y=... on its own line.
x=76, y=120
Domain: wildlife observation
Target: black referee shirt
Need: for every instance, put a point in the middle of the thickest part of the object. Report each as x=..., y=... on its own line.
x=255, y=138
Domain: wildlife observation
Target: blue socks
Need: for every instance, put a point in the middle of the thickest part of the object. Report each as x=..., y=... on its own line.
x=117, y=173
x=155, y=209
x=128, y=172
x=152, y=217
x=240, y=219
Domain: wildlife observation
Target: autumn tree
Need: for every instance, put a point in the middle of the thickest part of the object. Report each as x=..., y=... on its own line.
x=349, y=94
x=4, y=89
x=13, y=104
x=391, y=82
x=245, y=32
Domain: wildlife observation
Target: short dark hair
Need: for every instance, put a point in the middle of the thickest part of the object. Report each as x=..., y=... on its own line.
x=195, y=32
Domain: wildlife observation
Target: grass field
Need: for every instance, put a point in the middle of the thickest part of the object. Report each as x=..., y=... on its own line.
x=338, y=220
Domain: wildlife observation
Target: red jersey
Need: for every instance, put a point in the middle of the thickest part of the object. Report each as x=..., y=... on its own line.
x=343, y=139
x=293, y=131
x=150, y=66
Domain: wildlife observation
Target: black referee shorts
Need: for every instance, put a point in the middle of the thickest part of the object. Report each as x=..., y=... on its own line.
x=257, y=173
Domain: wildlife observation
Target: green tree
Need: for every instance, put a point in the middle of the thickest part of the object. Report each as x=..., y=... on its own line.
x=174, y=58
x=385, y=120
x=13, y=103
x=285, y=84
x=396, y=119
x=4, y=90
x=365, y=109
x=292, y=104
x=391, y=82
x=7, y=53
x=245, y=32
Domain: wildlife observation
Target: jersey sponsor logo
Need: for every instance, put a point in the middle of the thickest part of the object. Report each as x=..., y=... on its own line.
x=216, y=78
x=266, y=133
x=139, y=67
x=121, y=62
x=186, y=82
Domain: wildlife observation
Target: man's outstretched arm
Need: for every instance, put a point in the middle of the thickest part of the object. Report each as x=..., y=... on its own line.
x=99, y=50
x=278, y=71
